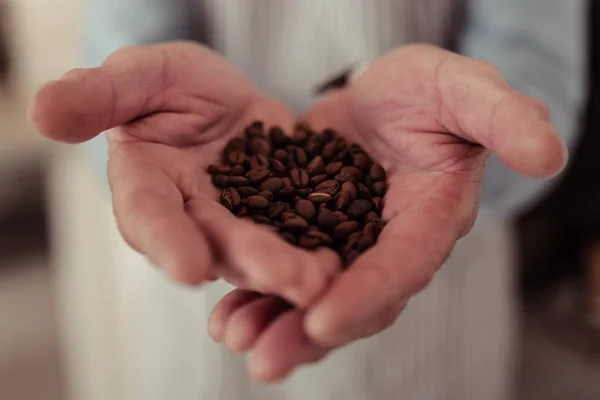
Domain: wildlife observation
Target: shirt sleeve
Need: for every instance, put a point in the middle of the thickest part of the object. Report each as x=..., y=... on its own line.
x=539, y=46
x=113, y=24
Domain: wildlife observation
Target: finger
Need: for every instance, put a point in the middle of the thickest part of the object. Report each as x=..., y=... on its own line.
x=414, y=244
x=150, y=213
x=248, y=321
x=264, y=261
x=136, y=82
x=220, y=314
x=467, y=97
x=281, y=348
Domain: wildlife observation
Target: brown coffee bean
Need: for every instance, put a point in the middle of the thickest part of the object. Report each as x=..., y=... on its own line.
x=363, y=192
x=289, y=237
x=300, y=136
x=254, y=131
x=306, y=209
x=340, y=144
x=285, y=194
x=258, y=146
x=345, y=229
x=278, y=137
x=279, y=167
x=353, y=172
x=257, y=175
x=287, y=182
x=218, y=169
x=356, y=149
x=299, y=177
x=351, y=257
x=352, y=241
x=350, y=188
x=329, y=134
x=314, y=144
x=377, y=203
x=258, y=161
x=236, y=157
x=377, y=173
x=297, y=158
x=326, y=219
x=329, y=151
x=287, y=215
x=379, y=225
x=258, y=202
x=362, y=161
x=315, y=180
x=281, y=155
x=267, y=194
x=343, y=156
x=378, y=189
x=297, y=199
x=341, y=200
x=272, y=185
x=324, y=239
x=261, y=219
x=341, y=216
x=304, y=193
x=345, y=178
x=276, y=210
x=247, y=191
x=366, y=240
x=221, y=181
x=230, y=198
x=333, y=168
x=237, y=170
x=319, y=197
x=309, y=242
x=237, y=181
x=316, y=166
x=237, y=143
x=297, y=225
x=242, y=211
x=359, y=208
x=371, y=216
x=331, y=187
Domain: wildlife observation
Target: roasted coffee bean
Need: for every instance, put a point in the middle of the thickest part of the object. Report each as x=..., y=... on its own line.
x=289, y=237
x=261, y=219
x=341, y=201
x=300, y=135
x=329, y=134
x=316, y=166
x=345, y=178
x=343, y=156
x=257, y=202
x=279, y=167
x=297, y=158
x=324, y=239
x=281, y=155
x=297, y=199
x=230, y=198
x=287, y=215
x=329, y=151
x=351, y=257
x=362, y=161
x=352, y=241
x=219, y=169
x=379, y=225
x=363, y=192
x=345, y=229
x=296, y=225
x=278, y=137
x=237, y=170
x=235, y=157
x=371, y=216
x=258, y=124
x=353, y=172
x=237, y=143
x=257, y=175
x=237, y=181
x=309, y=241
x=267, y=194
x=340, y=144
x=299, y=177
x=314, y=144
x=287, y=182
x=326, y=219
x=378, y=189
x=258, y=146
x=333, y=168
x=359, y=208
x=242, y=211
x=356, y=149
x=377, y=203
x=319, y=197
x=377, y=173
x=315, y=180
x=272, y=185
x=350, y=188
x=306, y=209
x=330, y=187
x=247, y=191
x=221, y=181
x=340, y=216
x=366, y=240
x=252, y=132
x=276, y=210
x=258, y=161
x=304, y=193
x=285, y=194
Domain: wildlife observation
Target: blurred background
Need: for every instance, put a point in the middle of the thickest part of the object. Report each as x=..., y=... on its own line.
x=559, y=238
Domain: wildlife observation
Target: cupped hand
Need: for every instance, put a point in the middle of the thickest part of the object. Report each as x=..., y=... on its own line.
x=431, y=118
x=169, y=110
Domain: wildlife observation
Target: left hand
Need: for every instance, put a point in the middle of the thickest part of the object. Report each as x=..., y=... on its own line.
x=430, y=118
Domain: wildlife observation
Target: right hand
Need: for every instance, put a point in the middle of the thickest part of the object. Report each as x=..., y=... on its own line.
x=169, y=110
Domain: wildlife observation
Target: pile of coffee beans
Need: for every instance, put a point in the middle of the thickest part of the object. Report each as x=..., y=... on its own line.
x=314, y=189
